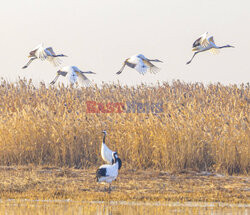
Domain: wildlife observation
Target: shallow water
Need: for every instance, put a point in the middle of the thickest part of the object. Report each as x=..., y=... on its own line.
x=65, y=207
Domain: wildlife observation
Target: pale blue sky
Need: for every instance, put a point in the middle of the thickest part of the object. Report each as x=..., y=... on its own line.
x=98, y=35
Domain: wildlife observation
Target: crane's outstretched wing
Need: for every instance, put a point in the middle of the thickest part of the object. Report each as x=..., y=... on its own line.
x=213, y=50
x=51, y=57
x=49, y=51
x=83, y=79
x=201, y=41
x=211, y=39
x=40, y=53
x=73, y=78
x=141, y=67
x=152, y=68
x=197, y=42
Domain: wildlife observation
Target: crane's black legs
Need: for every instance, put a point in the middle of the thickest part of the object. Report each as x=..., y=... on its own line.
x=55, y=79
x=192, y=58
x=27, y=64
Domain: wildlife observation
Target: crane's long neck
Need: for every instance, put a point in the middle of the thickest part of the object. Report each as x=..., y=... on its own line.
x=115, y=163
x=103, y=141
x=155, y=60
x=227, y=46
x=59, y=55
x=87, y=72
x=119, y=163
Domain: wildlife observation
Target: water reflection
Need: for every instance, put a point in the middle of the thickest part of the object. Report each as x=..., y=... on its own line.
x=66, y=207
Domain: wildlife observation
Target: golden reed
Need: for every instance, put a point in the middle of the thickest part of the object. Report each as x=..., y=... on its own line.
x=201, y=128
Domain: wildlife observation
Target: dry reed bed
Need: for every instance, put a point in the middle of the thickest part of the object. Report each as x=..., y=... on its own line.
x=200, y=128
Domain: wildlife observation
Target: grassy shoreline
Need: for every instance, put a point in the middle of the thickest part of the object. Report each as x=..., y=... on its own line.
x=29, y=182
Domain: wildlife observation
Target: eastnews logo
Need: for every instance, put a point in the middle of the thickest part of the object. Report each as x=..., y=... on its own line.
x=127, y=107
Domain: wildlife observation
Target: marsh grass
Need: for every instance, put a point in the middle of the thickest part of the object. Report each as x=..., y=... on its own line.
x=201, y=128
x=53, y=183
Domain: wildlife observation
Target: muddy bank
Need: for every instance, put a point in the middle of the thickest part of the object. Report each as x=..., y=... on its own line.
x=78, y=184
